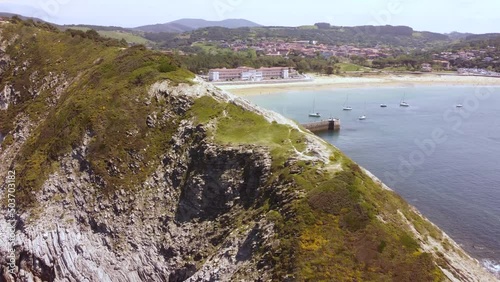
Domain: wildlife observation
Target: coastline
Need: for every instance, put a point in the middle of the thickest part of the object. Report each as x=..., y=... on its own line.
x=469, y=262
x=362, y=81
x=459, y=256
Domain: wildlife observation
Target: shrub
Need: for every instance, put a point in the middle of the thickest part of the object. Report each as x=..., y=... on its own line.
x=334, y=195
x=408, y=242
x=166, y=66
x=7, y=141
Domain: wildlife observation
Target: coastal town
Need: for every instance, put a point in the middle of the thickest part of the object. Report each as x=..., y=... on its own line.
x=305, y=48
x=311, y=48
x=478, y=62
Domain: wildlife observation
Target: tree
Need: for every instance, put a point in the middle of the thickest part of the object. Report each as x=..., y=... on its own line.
x=337, y=69
x=92, y=34
x=252, y=54
x=323, y=25
x=358, y=60
x=329, y=70
x=302, y=66
x=16, y=19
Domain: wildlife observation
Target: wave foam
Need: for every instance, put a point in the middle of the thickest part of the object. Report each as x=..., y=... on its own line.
x=492, y=266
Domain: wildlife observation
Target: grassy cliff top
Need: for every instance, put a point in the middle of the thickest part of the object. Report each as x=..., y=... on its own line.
x=74, y=83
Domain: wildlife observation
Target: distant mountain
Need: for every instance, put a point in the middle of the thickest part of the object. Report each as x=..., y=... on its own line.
x=184, y=25
x=229, y=23
x=168, y=27
x=486, y=36
x=363, y=36
x=458, y=35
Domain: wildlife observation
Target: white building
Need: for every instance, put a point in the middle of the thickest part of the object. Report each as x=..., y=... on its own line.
x=250, y=74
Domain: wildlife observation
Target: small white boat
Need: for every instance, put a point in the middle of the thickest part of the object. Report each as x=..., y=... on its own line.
x=346, y=106
x=383, y=105
x=459, y=106
x=363, y=117
x=403, y=102
x=313, y=113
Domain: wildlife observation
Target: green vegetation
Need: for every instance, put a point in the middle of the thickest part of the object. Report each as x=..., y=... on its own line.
x=409, y=48
x=346, y=67
x=212, y=49
x=363, y=36
x=105, y=102
x=95, y=36
x=308, y=27
x=488, y=43
x=403, y=42
x=239, y=126
x=47, y=50
x=334, y=233
x=117, y=33
x=127, y=36
x=342, y=240
x=7, y=141
x=402, y=63
x=208, y=57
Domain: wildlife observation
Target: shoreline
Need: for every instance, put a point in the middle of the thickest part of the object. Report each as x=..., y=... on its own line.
x=363, y=81
x=383, y=81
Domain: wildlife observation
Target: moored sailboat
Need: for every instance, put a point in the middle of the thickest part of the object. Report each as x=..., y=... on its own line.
x=363, y=117
x=403, y=103
x=346, y=106
x=314, y=113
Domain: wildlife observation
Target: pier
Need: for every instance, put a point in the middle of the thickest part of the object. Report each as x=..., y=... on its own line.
x=324, y=125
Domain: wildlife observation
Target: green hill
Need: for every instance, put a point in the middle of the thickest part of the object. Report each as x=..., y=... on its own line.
x=363, y=36
x=115, y=33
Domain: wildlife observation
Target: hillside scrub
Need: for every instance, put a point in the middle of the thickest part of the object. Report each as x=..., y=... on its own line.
x=106, y=101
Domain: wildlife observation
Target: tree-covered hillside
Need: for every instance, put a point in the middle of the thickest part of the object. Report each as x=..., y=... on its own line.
x=369, y=36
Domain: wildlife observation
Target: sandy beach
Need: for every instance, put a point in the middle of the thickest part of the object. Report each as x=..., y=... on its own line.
x=365, y=81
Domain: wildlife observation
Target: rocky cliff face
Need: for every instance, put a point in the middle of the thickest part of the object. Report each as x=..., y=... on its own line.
x=187, y=221
x=198, y=186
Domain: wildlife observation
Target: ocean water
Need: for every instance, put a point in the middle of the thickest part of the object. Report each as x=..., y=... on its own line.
x=442, y=159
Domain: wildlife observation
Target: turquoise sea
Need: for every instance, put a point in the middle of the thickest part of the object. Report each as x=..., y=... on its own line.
x=442, y=159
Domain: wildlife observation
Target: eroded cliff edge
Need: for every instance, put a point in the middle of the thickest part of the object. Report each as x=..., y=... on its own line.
x=130, y=169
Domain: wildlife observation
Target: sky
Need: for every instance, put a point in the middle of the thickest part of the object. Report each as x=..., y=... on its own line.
x=444, y=16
